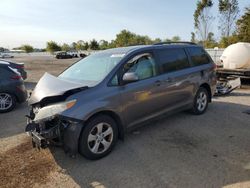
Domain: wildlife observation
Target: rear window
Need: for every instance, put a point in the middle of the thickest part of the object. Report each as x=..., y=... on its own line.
x=173, y=60
x=198, y=56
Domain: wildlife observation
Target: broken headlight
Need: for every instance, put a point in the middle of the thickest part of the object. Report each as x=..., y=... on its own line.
x=48, y=112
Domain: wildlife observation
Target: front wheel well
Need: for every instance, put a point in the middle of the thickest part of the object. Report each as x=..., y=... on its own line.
x=207, y=87
x=115, y=117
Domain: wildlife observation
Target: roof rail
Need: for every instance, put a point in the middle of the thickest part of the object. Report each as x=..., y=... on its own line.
x=178, y=42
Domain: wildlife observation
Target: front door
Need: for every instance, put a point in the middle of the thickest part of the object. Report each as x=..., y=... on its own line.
x=140, y=99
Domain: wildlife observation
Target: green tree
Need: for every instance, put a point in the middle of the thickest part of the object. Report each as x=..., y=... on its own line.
x=243, y=26
x=52, y=47
x=226, y=41
x=142, y=40
x=94, y=45
x=229, y=11
x=86, y=46
x=157, y=40
x=104, y=44
x=27, y=48
x=210, y=36
x=210, y=42
x=112, y=44
x=125, y=38
x=80, y=45
x=65, y=47
x=193, y=37
x=73, y=46
x=167, y=40
x=176, y=38
x=203, y=19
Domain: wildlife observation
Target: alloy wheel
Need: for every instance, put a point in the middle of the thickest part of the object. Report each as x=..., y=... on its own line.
x=201, y=101
x=5, y=101
x=100, y=138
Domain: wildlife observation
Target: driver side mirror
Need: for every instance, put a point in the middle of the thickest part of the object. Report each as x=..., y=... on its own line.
x=129, y=77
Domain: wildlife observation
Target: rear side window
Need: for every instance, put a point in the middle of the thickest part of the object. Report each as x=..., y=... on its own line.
x=173, y=60
x=198, y=56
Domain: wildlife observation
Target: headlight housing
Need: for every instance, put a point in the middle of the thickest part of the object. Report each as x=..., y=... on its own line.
x=50, y=111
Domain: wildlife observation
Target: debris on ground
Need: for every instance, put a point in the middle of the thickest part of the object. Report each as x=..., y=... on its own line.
x=227, y=85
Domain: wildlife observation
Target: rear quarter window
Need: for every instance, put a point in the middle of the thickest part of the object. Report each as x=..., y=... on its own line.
x=198, y=56
x=172, y=60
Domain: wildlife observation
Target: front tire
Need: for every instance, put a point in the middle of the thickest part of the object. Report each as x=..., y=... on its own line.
x=7, y=102
x=200, y=103
x=98, y=138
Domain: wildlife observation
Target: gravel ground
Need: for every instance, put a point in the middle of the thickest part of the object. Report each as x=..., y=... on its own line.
x=182, y=150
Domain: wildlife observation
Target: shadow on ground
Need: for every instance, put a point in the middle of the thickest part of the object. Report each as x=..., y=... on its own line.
x=182, y=150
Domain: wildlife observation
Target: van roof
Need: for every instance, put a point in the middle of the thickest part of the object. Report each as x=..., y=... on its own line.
x=126, y=50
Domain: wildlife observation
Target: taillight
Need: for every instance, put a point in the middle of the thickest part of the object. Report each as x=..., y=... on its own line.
x=16, y=77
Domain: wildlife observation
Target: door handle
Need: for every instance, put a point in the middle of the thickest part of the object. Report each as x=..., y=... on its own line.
x=157, y=82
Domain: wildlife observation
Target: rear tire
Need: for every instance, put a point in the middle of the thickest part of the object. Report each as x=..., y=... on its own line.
x=7, y=102
x=98, y=137
x=200, y=103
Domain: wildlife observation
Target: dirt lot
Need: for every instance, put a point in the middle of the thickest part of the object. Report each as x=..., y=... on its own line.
x=36, y=66
x=182, y=150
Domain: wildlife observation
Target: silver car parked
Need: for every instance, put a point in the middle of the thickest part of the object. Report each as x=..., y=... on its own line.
x=96, y=100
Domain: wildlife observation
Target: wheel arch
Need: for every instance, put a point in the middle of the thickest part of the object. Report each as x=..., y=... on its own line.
x=113, y=115
x=208, y=88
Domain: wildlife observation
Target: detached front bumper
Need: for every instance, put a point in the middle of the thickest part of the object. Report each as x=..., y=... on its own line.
x=38, y=141
x=60, y=131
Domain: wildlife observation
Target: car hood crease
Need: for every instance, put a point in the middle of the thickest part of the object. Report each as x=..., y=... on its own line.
x=49, y=86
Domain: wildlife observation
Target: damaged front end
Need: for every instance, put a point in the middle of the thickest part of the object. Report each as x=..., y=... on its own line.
x=46, y=123
x=46, y=126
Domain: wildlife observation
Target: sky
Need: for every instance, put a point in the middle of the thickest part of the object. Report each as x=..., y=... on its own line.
x=35, y=22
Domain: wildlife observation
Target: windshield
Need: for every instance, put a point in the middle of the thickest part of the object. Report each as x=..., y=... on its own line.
x=92, y=69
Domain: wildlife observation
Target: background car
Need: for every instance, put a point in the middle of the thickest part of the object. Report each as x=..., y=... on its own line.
x=6, y=56
x=74, y=54
x=63, y=55
x=82, y=55
x=12, y=89
x=17, y=66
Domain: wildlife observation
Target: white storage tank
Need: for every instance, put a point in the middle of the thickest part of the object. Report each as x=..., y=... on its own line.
x=236, y=56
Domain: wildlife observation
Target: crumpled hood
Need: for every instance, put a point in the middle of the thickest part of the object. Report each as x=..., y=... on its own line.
x=49, y=86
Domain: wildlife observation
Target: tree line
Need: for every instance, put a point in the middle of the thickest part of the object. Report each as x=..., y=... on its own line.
x=124, y=38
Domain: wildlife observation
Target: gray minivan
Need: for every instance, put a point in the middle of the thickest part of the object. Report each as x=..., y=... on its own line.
x=96, y=100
